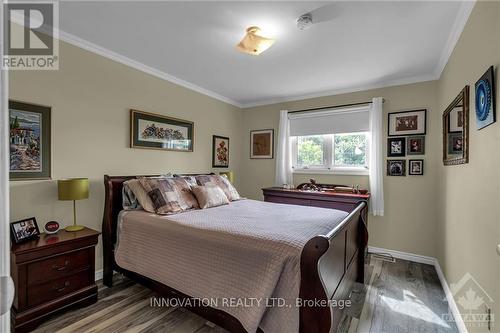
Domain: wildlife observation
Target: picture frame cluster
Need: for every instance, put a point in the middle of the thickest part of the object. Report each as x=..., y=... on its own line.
x=406, y=137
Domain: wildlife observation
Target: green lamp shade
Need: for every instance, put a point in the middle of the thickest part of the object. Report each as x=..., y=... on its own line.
x=73, y=189
x=228, y=174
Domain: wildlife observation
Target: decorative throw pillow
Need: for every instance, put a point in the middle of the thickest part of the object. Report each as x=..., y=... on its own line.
x=140, y=194
x=209, y=196
x=169, y=195
x=191, y=180
x=221, y=182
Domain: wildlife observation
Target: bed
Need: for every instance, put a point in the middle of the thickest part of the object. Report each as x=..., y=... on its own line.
x=323, y=248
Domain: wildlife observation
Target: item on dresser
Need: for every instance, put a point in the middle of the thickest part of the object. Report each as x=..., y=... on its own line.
x=24, y=230
x=50, y=274
x=51, y=227
x=311, y=186
x=73, y=189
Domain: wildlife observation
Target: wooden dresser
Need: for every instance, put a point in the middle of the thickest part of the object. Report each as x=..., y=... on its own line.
x=341, y=201
x=51, y=273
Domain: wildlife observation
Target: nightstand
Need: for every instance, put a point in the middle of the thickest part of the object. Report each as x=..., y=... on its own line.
x=52, y=273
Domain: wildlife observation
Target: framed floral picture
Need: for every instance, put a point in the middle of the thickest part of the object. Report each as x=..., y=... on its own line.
x=154, y=131
x=220, y=152
x=262, y=144
x=29, y=140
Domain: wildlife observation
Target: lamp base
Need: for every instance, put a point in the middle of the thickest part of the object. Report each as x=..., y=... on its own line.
x=74, y=228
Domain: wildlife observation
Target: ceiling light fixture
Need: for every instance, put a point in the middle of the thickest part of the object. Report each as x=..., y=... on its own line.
x=254, y=43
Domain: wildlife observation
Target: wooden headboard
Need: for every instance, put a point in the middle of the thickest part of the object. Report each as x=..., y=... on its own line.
x=113, y=205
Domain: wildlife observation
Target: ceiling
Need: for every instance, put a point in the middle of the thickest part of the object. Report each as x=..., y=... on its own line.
x=351, y=46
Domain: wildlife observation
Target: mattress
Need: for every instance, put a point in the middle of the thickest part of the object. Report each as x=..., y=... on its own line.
x=244, y=258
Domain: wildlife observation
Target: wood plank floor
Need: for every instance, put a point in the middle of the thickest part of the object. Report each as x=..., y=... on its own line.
x=401, y=297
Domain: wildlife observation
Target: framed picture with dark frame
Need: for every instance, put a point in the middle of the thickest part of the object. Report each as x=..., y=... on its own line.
x=155, y=131
x=416, y=167
x=407, y=123
x=30, y=141
x=396, y=167
x=24, y=230
x=262, y=144
x=415, y=145
x=220, y=151
x=396, y=147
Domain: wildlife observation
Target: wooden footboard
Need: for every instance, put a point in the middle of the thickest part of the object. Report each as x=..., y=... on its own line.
x=330, y=264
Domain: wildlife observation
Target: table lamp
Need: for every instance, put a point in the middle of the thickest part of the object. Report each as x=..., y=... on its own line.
x=73, y=189
x=228, y=174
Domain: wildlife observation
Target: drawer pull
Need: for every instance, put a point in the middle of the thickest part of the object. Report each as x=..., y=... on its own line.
x=61, y=268
x=66, y=284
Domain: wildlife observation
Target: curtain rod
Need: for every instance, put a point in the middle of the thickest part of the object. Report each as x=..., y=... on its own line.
x=333, y=107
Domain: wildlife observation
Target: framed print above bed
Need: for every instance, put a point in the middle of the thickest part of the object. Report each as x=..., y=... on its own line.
x=220, y=152
x=154, y=131
x=262, y=144
x=407, y=123
x=29, y=139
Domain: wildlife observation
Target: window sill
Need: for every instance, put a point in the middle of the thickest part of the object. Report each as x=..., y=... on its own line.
x=336, y=171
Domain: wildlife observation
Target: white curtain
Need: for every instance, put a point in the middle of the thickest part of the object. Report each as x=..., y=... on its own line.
x=376, y=158
x=284, y=152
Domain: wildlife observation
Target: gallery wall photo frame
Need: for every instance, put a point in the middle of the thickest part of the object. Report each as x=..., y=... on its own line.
x=30, y=141
x=156, y=131
x=262, y=144
x=396, y=168
x=405, y=123
x=416, y=167
x=220, y=151
x=485, y=96
x=396, y=147
x=415, y=145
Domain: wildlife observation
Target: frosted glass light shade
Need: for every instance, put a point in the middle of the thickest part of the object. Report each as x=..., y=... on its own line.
x=253, y=43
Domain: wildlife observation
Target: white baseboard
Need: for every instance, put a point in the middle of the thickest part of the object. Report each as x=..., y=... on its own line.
x=434, y=262
x=404, y=255
x=98, y=275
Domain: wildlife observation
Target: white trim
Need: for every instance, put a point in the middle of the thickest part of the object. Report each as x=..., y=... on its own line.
x=102, y=51
x=381, y=84
x=458, y=26
x=456, y=31
x=98, y=274
x=451, y=300
x=434, y=262
x=404, y=255
x=341, y=171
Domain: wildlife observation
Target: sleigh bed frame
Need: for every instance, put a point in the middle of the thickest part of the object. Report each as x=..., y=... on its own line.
x=330, y=264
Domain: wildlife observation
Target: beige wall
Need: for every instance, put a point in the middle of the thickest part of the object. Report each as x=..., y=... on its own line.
x=469, y=228
x=410, y=217
x=90, y=98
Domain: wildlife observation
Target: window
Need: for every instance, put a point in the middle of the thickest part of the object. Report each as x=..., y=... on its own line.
x=337, y=153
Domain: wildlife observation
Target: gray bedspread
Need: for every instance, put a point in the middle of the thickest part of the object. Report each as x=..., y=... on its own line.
x=244, y=256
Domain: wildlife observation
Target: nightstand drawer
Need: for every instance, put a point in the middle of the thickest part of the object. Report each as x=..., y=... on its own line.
x=56, y=288
x=58, y=267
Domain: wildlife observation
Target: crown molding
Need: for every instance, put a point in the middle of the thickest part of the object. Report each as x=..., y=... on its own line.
x=102, y=51
x=378, y=85
x=458, y=26
x=456, y=31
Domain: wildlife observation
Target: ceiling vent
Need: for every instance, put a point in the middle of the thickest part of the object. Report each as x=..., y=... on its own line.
x=305, y=21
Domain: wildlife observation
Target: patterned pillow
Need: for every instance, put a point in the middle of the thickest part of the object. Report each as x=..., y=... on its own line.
x=139, y=194
x=209, y=196
x=169, y=195
x=220, y=181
